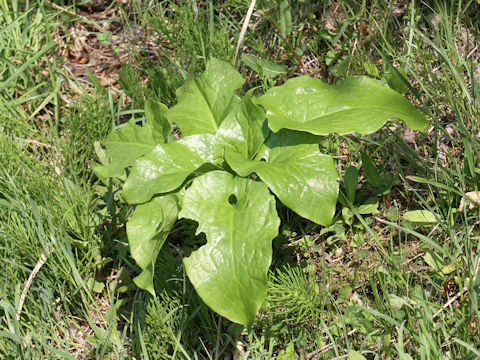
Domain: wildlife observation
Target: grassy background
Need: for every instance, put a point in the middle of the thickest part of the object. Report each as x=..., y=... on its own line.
x=373, y=282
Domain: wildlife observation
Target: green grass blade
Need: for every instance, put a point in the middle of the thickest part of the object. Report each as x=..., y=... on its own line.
x=26, y=65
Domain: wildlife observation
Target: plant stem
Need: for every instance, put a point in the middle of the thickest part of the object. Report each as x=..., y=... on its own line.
x=289, y=44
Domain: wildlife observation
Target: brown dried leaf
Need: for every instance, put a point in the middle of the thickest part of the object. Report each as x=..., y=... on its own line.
x=473, y=200
x=409, y=136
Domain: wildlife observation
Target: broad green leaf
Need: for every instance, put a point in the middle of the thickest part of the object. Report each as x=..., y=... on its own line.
x=166, y=167
x=395, y=81
x=239, y=219
x=357, y=104
x=355, y=355
x=101, y=153
x=241, y=130
x=147, y=230
x=285, y=17
x=350, y=180
x=95, y=286
x=204, y=101
x=283, y=138
x=299, y=175
x=155, y=114
x=371, y=171
x=126, y=144
x=421, y=217
x=369, y=206
x=264, y=67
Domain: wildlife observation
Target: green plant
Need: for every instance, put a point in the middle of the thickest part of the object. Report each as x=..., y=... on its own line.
x=220, y=172
x=296, y=293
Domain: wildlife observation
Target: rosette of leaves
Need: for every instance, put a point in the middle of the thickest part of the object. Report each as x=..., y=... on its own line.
x=236, y=158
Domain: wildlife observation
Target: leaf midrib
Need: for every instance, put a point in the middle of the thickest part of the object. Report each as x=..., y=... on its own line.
x=204, y=96
x=234, y=264
x=351, y=109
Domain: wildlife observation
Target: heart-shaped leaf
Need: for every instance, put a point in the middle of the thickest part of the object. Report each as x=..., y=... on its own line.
x=147, y=230
x=302, y=178
x=204, y=101
x=357, y=104
x=166, y=167
x=239, y=218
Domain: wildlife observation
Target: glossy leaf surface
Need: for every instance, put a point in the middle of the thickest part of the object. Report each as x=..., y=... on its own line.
x=166, y=167
x=238, y=214
x=126, y=144
x=302, y=178
x=147, y=230
x=357, y=104
x=239, y=219
x=204, y=101
x=242, y=130
x=155, y=114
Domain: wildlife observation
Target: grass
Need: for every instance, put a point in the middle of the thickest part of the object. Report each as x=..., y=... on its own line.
x=372, y=283
x=49, y=217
